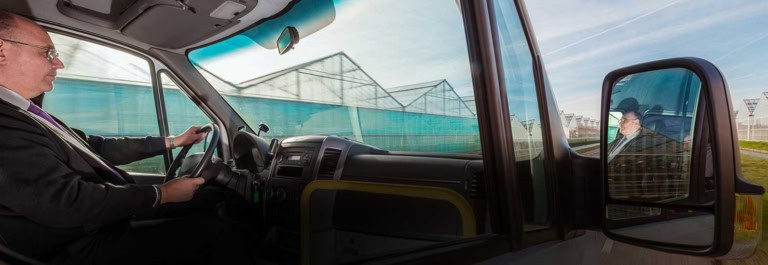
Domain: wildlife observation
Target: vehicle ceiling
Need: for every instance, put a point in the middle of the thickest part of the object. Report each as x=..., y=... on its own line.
x=185, y=24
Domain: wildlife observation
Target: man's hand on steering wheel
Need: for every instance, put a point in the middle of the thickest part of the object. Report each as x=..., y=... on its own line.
x=190, y=136
x=179, y=189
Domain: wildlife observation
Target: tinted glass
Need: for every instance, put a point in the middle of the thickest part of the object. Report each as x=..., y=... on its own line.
x=107, y=92
x=649, y=159
x=181, y=112
x=525, y=118
x=390, y=74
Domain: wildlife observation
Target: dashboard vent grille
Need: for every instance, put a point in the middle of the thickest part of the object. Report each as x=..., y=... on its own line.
x=328, y=163
x=476, y=186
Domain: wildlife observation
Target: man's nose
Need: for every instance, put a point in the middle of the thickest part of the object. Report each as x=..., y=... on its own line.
x=57, y=63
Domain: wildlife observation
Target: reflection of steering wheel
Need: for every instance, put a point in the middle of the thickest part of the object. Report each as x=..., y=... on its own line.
x=206, y=159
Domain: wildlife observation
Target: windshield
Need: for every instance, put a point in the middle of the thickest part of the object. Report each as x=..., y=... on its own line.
x=378, y=72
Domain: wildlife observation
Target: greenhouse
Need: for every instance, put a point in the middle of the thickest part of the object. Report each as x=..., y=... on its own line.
x=332, y=95
x=435, y=97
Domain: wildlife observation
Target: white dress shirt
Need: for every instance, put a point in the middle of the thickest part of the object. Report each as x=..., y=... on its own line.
x=617, y=149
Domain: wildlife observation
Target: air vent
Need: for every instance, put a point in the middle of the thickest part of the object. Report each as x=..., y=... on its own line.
x=328, y=163
x=476, y=188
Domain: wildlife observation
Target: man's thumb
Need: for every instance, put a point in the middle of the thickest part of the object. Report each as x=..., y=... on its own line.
x=198, y=181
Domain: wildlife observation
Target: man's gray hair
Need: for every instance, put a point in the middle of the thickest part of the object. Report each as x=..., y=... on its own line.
x=7, y=24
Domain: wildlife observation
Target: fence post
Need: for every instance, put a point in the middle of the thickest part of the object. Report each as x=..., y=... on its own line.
x=749, y=127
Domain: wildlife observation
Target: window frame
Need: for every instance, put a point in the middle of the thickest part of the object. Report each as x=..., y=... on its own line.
x=81, y=36
x=163, y=111
x=521, y=237
x=156, y=67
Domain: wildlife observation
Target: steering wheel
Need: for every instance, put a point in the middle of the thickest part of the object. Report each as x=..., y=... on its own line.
x=206, y=159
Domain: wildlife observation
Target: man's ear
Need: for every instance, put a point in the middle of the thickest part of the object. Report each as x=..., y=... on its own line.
x=3, y=58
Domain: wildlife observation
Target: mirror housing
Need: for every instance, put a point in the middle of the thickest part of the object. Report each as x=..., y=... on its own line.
x=724, y=212
x=287, y=39
x=263, y=127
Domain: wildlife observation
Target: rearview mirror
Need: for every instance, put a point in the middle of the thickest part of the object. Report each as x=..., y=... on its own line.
x=287, y=39
x=670, y=162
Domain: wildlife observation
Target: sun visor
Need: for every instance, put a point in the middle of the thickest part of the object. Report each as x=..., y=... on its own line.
x=173, y=27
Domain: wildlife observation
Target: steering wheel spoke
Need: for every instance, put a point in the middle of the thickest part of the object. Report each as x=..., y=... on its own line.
x=206, y=159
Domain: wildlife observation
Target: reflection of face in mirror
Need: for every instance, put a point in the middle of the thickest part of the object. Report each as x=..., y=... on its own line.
x=649, y=153
x=629, y=123
x=629, y=128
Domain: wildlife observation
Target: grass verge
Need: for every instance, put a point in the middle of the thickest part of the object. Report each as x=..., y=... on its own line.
x=763, y=146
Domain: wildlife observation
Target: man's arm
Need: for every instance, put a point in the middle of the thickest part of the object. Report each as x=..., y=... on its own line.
x=125, y=150
x=37, y=181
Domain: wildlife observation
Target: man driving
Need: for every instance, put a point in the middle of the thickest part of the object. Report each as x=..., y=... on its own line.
x=629, y=128
x=62, y=200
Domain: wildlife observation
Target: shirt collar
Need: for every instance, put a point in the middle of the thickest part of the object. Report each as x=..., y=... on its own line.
x=633, y=135
x=15, y=99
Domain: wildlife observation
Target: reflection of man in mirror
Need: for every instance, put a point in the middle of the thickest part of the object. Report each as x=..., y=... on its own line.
x=629, y=127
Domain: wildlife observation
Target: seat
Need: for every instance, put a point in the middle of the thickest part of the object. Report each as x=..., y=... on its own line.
x=658, y=126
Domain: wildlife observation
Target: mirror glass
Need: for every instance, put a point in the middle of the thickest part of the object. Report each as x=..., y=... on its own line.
x=650, y=125
x=650, y=136
x=672, y=226
x=287, y=39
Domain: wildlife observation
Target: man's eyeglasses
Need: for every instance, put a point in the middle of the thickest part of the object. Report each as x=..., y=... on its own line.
x=623, y=120
x=50, y=53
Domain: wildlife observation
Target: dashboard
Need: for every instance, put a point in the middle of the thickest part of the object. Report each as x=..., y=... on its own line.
x=284, y=168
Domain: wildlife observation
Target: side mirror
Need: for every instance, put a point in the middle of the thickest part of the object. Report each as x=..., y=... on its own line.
x=671, y=164
x=263, y=127
x=287, y=39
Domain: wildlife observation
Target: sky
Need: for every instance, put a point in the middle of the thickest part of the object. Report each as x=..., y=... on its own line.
x=581, y=41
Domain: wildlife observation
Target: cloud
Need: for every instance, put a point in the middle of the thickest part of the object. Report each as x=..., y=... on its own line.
x=730, y=34
x=655, y=35
x=613, y=28
x=559, y=16
x=750, y=43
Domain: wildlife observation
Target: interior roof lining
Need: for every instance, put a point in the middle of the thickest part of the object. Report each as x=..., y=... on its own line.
x=49, y=14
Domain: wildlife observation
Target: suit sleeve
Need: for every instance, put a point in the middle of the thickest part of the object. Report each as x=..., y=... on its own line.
x=37, y=183
x=125, y=150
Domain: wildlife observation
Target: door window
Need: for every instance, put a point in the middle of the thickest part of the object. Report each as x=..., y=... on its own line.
x=107, y=92
x=181, y=113
x=525, y=119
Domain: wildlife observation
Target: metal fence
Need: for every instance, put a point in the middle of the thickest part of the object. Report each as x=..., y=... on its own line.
x=753, y=128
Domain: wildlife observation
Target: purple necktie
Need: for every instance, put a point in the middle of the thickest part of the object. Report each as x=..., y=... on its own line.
x=40, y=112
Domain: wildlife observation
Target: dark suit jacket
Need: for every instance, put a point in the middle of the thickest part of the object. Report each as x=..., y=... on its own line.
x=51, y=194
